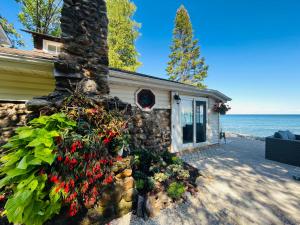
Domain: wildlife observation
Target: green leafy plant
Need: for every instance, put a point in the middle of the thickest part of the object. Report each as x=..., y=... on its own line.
x=29, y=153
x=178, y=171
x=144, y=160
x=161, y=177
x=175, y=190
x=139, y=184
x=177, y=160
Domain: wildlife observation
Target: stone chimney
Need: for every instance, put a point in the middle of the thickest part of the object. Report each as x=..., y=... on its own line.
x=83, y=62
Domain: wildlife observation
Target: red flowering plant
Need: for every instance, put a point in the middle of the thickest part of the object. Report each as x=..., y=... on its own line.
x=221, y=108
x=85, y=156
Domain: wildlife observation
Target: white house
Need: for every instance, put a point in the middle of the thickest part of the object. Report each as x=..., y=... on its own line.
x=181, y=116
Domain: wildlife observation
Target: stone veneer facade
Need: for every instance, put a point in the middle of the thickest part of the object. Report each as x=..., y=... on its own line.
x=12, y=115
x=148, y=130
x=151, y=130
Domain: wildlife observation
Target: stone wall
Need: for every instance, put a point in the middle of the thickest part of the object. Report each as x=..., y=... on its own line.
x=151, y=130
x=12, y=115
x=116, y=200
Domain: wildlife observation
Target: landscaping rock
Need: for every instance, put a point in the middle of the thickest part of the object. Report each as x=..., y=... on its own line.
x=152, y=206
x=125, y=173
x=128, y=183
x=124, y=207
x=12, y=115
x=129, y=195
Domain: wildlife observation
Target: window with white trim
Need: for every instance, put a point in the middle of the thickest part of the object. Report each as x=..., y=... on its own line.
x=52, y=47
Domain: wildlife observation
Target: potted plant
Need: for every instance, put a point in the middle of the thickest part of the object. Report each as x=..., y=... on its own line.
x=221, y=108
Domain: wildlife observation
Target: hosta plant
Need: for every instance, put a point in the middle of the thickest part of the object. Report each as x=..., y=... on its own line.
x=28, y=154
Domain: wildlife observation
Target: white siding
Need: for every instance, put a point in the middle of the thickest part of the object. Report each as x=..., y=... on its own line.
x=127, y=94
x=23, y=81
x=213, y=127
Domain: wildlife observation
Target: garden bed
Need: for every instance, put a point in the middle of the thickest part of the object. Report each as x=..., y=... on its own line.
x=67, y=167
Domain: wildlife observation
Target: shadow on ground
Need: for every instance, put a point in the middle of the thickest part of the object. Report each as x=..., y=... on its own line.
x=238, y=187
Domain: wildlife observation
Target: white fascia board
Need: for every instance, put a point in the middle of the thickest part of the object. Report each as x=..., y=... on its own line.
x=128, y=79
x=24, y=59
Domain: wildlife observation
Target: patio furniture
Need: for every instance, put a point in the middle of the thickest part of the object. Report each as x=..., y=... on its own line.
x=283, y=147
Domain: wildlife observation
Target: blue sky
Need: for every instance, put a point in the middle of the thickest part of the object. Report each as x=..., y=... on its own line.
x=251, y=46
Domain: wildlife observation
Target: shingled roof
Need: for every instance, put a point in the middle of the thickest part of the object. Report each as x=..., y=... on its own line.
x=38, y=54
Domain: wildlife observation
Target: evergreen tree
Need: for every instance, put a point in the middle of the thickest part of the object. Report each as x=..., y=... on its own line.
x=185, y=64
x=122, y=34
x=11, y=32
x=42, y=16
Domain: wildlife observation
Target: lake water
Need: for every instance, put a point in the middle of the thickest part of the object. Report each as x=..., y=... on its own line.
x=260, y=125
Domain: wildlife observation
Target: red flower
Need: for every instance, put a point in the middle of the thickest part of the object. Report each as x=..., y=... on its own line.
x=85, y=187
x=119, y=158
x=73, y=147
x=106, y=141
x=59, y=158
x=72, y=183
x=74, y=161
x=62, y=184
x=96, y=168
x=67, y=160
x=98, y=176
x=108, y=180
x=73, y=209
x=103, y=161
x=89, y=173
x=66, y=189
x=112, y=133
x=54, y=179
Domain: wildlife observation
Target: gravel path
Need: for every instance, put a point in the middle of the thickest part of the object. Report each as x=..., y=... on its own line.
x=239, y=187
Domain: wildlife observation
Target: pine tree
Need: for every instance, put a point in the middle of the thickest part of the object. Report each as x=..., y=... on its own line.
x=185, y=64
x=122, y=34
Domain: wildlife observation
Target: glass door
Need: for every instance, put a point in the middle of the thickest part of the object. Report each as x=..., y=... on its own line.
x=200, y=121
x=187, y=121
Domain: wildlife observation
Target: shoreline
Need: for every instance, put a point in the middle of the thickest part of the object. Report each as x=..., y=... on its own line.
x=246, y=136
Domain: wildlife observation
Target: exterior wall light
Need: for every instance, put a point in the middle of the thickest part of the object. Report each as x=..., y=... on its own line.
x=177, y=98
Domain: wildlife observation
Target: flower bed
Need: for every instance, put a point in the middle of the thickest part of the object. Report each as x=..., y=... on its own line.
x=68, y=164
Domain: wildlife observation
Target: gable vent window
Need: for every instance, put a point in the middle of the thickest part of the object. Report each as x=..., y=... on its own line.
x=145, y=99
x=51, y=47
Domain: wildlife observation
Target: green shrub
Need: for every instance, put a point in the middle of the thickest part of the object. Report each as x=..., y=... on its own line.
x=177, y=160
x=144, y=159
x=139, y=184
x=31, y=151
x=175, y=190
x=161, y=177
x=178, y=171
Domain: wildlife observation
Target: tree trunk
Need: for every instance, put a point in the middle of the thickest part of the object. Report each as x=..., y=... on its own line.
x=84, y=58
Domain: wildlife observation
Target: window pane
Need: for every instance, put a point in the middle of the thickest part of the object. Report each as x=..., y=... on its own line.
x=52, y=48
x=200, y=121
x=187, y=120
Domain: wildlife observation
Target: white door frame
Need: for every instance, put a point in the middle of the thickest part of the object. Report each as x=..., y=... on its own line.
x=176, y=128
